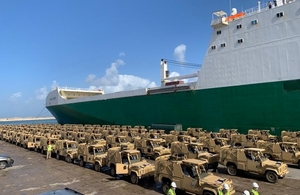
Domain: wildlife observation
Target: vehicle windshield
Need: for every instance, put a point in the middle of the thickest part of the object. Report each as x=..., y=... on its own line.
x=134, y=158
x=99, y=151
x=292, y=149
x=72, y=146
x=202, y=171
x=155, y=143
x=122, y=140
x=261, y=156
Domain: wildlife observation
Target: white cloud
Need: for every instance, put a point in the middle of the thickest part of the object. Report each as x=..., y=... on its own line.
x=122, y=54
x=41, y=93
x=175, y=74
x=15, y=96
x=179, y=52
x=113, y=82
x=54, y=85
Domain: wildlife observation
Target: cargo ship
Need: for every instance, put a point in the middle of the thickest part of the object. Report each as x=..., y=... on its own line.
x=249, y=79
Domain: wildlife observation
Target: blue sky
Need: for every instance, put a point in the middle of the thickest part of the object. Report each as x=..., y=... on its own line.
x=110, y=44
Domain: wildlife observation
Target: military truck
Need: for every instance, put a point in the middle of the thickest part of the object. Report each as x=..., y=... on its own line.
x=226, y=133
x=186, y=138
x=189, y=175
x=169, y=138
x=292, y=139
x=36, y=139
x=66, y=149
x=27, y=141
x=195, y=151
x=94, y=154
x=214, y=145
x=118, y=141
x=152, y=148
x=281, y=151
x=252, y=160
x=244, y=140
x=129, y=163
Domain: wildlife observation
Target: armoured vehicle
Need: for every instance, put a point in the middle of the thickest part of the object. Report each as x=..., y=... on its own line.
x=292, y=134
x=292, y=139
x=36, y=139
x=252, y=160
x=195, y=151
x=17, y=138
x=281, y=151
x=189, y=175
x=214, y=145
x=151, y=147
x=244, y=140
x=118, y=141
x=263, y=134
x=27, y=141
x=66, y=149
x=130, y=163
x=226, y=133
x=186, y=138
x=196, y=132
x=94, y=154
x=169, y=138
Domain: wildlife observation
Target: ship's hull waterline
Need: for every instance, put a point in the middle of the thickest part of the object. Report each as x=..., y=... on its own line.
x=274, y=106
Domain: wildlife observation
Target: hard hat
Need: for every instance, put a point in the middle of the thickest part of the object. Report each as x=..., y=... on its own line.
x=246, y=192
x=255, y=185
x=173, y=184
x=226, y=186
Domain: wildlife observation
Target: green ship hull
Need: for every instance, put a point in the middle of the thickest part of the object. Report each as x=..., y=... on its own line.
x=274, y=106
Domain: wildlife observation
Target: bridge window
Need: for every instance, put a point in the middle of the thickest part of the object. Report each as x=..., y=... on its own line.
x=240, y=40
x=223, y=45
x=213, y=47
x=219, y=32
x=239, y=26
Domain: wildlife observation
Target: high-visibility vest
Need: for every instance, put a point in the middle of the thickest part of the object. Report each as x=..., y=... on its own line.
x=221, y=193
x=254, y=192
x=49, y=148
x=171, y=192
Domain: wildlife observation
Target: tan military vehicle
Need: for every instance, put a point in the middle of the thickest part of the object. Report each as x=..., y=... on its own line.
x=252, y=160
x=263, y=134
x=189, y=175
x=66, y=149
x=196, y=132
x=130, y=163
x=16, y=138
x=94, y=154
x=195, y=151
x=94, y=138
x=281, y=151
x=119, y=141
x=226, y=133
x=27, y=141
x=36, y=139
x=186, y=138
x=214, y=145
x=3, y=134
x=44, y=144
x=292, y=139
x=152, y=148
x=244, y=140
x=169, y=138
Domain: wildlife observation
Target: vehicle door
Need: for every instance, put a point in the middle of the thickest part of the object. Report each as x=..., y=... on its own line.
x=287, y=154
x=122, y=168
x=253, y=163
x=190, y=178
x=149, y=149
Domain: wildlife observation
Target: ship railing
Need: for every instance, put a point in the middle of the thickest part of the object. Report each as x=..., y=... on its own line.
x=256, y=9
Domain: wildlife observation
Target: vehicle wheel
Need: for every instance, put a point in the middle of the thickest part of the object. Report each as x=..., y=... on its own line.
x=3, y=164
x=113, y=171
x=165, y=187
x=232, y=170
x=68, y=159
x=271, y=177
x=57, y=156
x=134, y=178
x=97, y=167
x=82, y=163
x=208, y=193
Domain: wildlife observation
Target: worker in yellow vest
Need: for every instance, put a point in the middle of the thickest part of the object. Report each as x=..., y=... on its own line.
x=172, y=189
x=254, y=190
x=49, y=150
x=225, y=190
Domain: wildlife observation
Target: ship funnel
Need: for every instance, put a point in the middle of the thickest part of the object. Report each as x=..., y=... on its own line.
x=233, y=11
x=164, y=73
x=258, y=6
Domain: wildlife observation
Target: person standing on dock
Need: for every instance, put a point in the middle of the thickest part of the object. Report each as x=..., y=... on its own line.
x=254, y=190
x=49, y=150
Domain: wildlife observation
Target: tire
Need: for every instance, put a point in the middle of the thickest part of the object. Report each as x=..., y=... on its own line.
x=165, y=187
x=82, y=163
x=271, y=177
x=232, y=170
x=113, y=171
x=97, y=167
x=68, y=159
x=57, y=156
x=134, y=178
x=208, y=193
x=3, y=164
